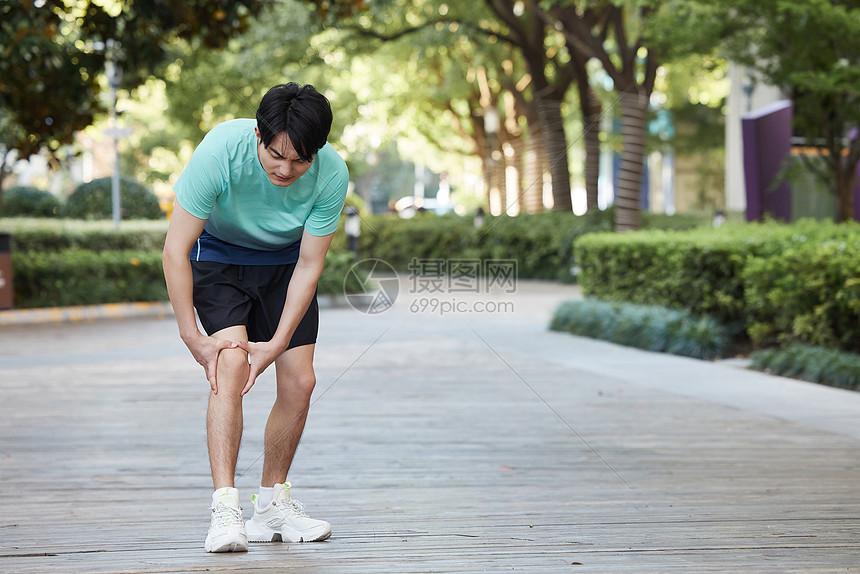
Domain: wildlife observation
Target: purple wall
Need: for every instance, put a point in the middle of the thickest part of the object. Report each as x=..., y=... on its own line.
x=767, y=142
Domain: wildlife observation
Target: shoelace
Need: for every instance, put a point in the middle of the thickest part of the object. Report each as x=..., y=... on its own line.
x=226, y=515
x=296, y=506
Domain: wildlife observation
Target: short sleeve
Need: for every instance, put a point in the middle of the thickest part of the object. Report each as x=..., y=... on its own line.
x=202, y=180
x=325, y=214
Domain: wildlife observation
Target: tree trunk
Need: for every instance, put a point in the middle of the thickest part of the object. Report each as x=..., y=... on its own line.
x=555, y=146
x=500, y=179
x=535, y=162
x=629, y=183
x=516, y=161
x=591, y=135
x=494, y=178
x=591, y=110
x=845, y=182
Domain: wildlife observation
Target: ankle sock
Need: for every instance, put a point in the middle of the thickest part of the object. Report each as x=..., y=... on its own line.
x=265, y=496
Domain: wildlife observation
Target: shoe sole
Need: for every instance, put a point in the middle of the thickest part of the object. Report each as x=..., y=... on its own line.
x=227, y=546
x=269, y=535
x=230, y=547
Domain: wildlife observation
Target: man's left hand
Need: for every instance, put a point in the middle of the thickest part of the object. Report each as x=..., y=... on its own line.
x=260, y=356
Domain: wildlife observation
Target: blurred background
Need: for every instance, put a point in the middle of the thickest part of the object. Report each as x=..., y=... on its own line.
x=507, y=106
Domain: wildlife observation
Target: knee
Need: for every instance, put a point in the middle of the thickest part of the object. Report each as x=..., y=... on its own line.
x=232, y=366
x=305, y=384
x=299, y=386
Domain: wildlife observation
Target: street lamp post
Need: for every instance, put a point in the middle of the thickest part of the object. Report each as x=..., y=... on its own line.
x=114, y=76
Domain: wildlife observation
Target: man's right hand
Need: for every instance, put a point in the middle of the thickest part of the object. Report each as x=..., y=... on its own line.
x=206, y=350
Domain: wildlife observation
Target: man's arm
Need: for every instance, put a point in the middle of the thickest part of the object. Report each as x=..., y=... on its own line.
x=300, y=292
x=182, y=233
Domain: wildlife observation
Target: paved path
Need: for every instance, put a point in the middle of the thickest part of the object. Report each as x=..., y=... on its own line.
x=438, y=442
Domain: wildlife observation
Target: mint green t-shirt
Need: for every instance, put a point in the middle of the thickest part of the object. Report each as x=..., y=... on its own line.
x=225, y=184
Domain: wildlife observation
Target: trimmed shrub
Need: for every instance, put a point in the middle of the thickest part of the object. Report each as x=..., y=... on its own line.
x=80, y=277
x=41, y=235
x=337, y=264
x=21, y=201
x=93, y=201
x=83, y=277
x=643, y=326
x=542, y=244
x=807, y=294
x=815, y=364
x=701, y=271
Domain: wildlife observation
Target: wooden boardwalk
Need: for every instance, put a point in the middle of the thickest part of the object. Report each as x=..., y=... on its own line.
x=430, y=448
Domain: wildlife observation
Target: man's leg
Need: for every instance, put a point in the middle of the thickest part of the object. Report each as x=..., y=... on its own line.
x=283, y=518
x=224, y=416
x=296, y=380
x=224, y=433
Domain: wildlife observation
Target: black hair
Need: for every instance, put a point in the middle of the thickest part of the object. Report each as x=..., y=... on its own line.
x=300, y=111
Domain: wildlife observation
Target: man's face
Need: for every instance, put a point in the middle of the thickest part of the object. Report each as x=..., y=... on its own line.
x=280, y=161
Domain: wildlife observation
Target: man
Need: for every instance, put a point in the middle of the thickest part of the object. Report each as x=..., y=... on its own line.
x=256, y=208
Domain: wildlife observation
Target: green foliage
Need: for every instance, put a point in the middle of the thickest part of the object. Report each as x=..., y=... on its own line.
x=699, y=270
x=810, y=293
x=50, y=235
x=50, y=87
x=65, y=262
x=541, y=244
x=816, y=364
x=53, y=45
x=784, y=283
x=23, y=201
x=791, y=45
x=81, y=277
x=92, y=200
x=643, y=326
x=337, y=264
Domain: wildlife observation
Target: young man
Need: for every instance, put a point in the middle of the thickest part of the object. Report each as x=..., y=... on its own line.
x=256, y=208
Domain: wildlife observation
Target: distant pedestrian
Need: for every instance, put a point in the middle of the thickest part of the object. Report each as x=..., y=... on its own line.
x=256, y=208
x=352, y=228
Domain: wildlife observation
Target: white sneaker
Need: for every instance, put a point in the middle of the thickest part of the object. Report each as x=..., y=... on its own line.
x=285, y=520
x=226, y=529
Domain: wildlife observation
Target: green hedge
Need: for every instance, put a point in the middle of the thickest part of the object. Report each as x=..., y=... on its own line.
x=542, y=244
x=818, y=365
x=806, y=294
x=22, y=201
x=51, y=235
x=701, y=271
x=643, y=326
x=81, y=277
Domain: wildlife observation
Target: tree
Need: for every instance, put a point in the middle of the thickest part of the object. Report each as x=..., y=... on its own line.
x=53, y=49
x=615, y=33
x=50, y=85
x=811, y=50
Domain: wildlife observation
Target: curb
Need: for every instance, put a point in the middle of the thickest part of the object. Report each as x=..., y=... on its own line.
x=92, y=313
x=84, y=313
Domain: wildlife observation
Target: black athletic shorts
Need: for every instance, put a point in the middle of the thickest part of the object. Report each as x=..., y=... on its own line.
x=227, y=295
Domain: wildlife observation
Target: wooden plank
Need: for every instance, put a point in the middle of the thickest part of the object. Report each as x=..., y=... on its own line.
x=426, y=452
